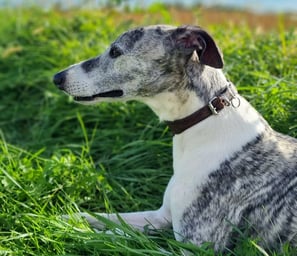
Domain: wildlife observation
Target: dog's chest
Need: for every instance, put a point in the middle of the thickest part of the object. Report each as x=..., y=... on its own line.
x=192, y=167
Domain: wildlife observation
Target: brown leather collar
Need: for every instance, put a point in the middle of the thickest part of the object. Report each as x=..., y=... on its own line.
x=212, y=108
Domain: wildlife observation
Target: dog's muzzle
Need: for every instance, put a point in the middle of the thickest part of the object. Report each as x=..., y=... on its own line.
x=60, y=78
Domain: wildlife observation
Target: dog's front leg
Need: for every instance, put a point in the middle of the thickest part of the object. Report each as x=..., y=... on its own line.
x=158, y=219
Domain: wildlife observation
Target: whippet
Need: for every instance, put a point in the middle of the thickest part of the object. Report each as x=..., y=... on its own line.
x=230, y=169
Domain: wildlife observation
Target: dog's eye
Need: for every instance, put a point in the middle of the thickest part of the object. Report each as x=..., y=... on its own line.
x=115, y=52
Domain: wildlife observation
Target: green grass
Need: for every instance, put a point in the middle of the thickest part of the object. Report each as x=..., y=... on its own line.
x=57, y=157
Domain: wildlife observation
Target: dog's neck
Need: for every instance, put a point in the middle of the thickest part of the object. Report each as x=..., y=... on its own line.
x=225, y=98
x=175, y=105
x=231, y=123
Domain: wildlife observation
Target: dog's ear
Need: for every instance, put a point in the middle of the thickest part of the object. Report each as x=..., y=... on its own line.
x=189, y=38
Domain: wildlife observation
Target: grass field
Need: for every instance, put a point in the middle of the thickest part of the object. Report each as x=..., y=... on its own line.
x=58, y=157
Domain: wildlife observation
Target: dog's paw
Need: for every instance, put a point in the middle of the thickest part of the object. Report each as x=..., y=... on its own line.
x=93, y=221
x=95, y=224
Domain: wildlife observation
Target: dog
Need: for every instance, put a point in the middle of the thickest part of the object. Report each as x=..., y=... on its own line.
x=231, y=170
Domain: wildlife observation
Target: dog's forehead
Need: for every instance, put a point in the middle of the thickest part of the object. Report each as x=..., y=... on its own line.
x=130, y=37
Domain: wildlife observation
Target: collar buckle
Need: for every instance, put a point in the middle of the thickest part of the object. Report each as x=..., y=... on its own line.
x=212, y=108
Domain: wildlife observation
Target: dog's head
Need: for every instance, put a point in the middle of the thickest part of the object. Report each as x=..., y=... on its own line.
x=141, y=63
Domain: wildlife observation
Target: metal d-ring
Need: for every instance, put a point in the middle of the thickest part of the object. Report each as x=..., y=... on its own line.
x=235, y=102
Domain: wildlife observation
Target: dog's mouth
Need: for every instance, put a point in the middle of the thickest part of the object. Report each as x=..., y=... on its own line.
x=109, y=94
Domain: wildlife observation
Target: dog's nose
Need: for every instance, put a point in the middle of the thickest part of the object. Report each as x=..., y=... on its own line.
x=59, y=79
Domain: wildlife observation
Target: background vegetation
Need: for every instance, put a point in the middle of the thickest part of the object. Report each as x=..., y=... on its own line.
x=58, y=157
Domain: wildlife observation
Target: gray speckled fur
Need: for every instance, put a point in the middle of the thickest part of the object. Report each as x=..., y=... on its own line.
x=255, y=190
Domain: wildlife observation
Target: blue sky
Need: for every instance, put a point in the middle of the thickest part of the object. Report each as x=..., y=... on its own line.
x=255, y=5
